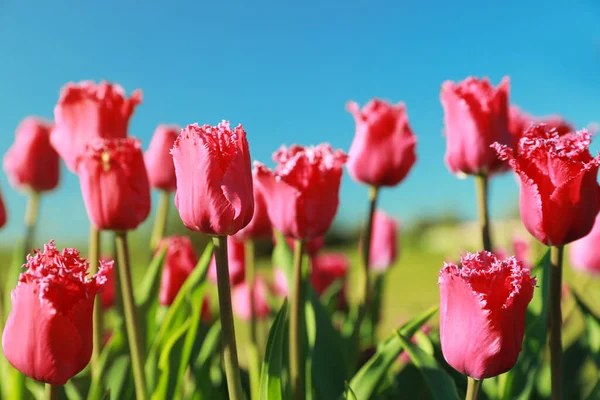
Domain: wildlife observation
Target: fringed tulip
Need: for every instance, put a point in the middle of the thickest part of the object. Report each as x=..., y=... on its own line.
x=180, y=261
x=521, y=121
x=32, y=163
x=48, y=334
x=482, y=313
x=114, y=184
x=383, y=149
x=584, y=253
x=87, y=110
x=559, y=193
x=520, y=249
x=214, y=179
x=158, y=159
x=236, y=255
x=328, y=268
x=384, y=242
x=240, y=297
x=260, y=225
x=302, y=193
x=475, y=116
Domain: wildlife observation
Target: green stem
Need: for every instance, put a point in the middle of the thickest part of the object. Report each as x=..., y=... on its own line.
x=472, y=389
x=481, y=184
x=249, y=259
x=160, y=221
x=366, y=256
x=135, y=347
x=295, y=329
x=31, y=217
x=556, y=259
x=230, y=358
x=52, y=392
x=93, y=257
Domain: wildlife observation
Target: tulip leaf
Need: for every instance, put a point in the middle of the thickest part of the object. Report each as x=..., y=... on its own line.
x=169, y=361
x=441, y=385
x=119, y=378
x=368, y=378
x=349, y=393
x=519, y=381
x=113, y=348
x=270, y=381
x=202, y=365
x=592, y=328
x=331, y=296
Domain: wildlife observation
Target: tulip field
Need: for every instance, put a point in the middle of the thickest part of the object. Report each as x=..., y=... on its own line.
x=244, y=288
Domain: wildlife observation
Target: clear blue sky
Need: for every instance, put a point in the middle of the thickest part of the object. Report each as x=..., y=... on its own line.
x=285, y=71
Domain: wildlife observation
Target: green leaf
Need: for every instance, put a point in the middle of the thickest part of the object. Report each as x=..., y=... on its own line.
x=349, y=393
x=519, y=381
x=441, y=386
x=169, y=361
x=367, y=379
x=270, y=382
x=202, y=365
x=119, y=379
x=592, y=327
x=116, y=346
x=331, y=295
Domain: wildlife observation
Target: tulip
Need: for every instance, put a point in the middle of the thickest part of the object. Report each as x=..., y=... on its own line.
x=328, y=268
x=159, y=162
x=425, y=330
x=108, y=294
x=48, y=334
x=520, y=249
x=475, y=117
x=87, y=110
x=242, y=301
x=260, y=225
x=214, y=179
x=383, y=150
x=206, y=313
x=3, y=217
x=521, y=121
x=32, y=163
x=384, y=242
x=482, y=313
x=236, y=259
x=114, y=184
x=302, y=193
x=585, y=253
x=180, y=261
x=280, y=284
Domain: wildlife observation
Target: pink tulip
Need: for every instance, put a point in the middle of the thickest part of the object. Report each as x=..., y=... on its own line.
x=482, y=313
x=302, y=193
x=260, y=225
x=280, y=285
x=384, y=242
x=158, y=159
x=585, y=252
x=241, y=300
x=383, y=149
x=327, y=268
x=31, y=162
x=521, y=121
x=108, y=294
x=87, y=110
x=214, y=179
x=236, y=255
x=180, y=261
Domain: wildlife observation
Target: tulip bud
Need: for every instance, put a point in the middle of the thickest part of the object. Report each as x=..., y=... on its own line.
x=158, y=159
x=180, y=261
x=521, y=121
x=302, y=193
x=114, y=184
x=214, y=179
x=559, y=194
x=584, y=253
x=327, y=268
x=475, y=117
x=31, y=162
x=260, y=225
x=383, y=149
x=108, y=293
x=236, y=256
x=241, y=300
x=87, y=110
x=48, y=334
x=482, y=313
x=384, y=242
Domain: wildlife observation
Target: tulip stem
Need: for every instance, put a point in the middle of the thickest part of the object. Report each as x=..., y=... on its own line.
x=160, y=221
x=230, y=358
x=135, y=348
x=481, y=183
x=93, y=257
x=472, y=389
x=52, y=392
x=296, y=320
x=556, y=259
x=366, y=256
x=249, y=259
x=31, y=216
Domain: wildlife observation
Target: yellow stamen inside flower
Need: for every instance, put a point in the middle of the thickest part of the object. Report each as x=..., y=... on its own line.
x=105, y=161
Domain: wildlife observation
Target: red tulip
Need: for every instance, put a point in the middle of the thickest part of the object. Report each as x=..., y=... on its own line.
x=206, y=313
x=2, y=212
x=303, y=192
x=85, y=111
x=383, y=149
x=260, y=225
x=521, y=121
x=475, y=116
x=384, y=242
x=327, y=268
x=31, y=162
x=559, y=193
x=585, y=252
x=114, y=184
x=214, y=179
x=180, y=261
x=241, y=300
x=236, y=255
x=48, y=334
x=158, y=159
x=482, y=313
x=108, y=294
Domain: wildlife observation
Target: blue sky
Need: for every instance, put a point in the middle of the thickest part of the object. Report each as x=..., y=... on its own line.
x=285, y=71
